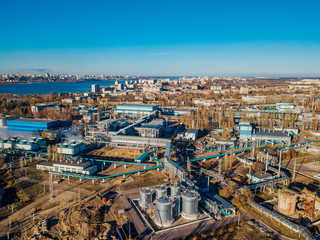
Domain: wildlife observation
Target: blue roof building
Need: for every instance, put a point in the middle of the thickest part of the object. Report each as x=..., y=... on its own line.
x=31, y=125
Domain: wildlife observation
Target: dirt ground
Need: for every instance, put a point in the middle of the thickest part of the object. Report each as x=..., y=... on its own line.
x=116, y=152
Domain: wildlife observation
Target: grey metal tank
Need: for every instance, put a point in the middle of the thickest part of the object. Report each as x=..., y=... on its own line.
x=164, y=211
x=190, y=201
x=145, y=197
x=161, y=191
x=175, y=189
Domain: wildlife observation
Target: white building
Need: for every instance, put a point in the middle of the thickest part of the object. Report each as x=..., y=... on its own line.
x=95, y=88
x=191, y=134
x=70, y=167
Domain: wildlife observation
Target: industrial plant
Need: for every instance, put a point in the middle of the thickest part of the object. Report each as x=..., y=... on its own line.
x=159, y=166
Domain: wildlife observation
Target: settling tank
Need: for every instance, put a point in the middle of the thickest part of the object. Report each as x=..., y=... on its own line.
x=161, y=191
x=145, y=197
x=164, y=213
x=287, y=202
x=190, y=200
x=175, y=189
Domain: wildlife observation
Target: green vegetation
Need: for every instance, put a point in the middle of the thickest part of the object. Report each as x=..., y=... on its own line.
x=34, y=174
x=301, y=154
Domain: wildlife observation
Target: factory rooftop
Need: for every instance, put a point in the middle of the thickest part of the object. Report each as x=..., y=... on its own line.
x=36, y=120
x=271, y=133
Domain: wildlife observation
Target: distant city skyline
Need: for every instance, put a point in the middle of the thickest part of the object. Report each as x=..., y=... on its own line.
x=161, y=38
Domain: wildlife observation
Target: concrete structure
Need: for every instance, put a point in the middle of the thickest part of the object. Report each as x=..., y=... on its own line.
x=191, y=134
x=145, y=197
x=69, y=166
x=173, y=168
x=287, y=202
x=190, y=201
x=148, y=130
x=136, y=109
x=164, y=212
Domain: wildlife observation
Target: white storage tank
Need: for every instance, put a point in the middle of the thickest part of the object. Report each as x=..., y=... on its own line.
x=190, y=201
x=145, y=197
x=175, y=189
x=161, y=191
x=164, y=213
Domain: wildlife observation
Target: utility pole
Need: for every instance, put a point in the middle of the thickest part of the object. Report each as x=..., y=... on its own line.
x=279, y=165
x=51, y=185
x=220, y=161
x=294, y=171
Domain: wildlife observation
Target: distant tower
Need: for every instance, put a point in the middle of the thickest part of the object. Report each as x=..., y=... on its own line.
x=95, y=88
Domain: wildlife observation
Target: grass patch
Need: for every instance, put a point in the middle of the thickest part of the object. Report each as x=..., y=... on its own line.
x=34, y=174
x=303, y=154
x=33, y=190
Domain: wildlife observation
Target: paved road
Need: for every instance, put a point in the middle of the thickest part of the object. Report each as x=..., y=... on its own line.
x=140, y=225
x=300, y=166
x=177, y=233
x=248, y=216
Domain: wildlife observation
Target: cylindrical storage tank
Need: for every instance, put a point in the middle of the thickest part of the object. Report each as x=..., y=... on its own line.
x=161, y=191
x=175, y=189
x=287, y=202
x=190, y=200
x=164, y=216
x=145, y=197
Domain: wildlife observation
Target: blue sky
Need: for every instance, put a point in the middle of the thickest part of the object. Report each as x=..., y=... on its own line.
x=216, y=38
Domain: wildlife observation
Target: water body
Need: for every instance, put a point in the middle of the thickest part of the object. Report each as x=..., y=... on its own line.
x=57, y=87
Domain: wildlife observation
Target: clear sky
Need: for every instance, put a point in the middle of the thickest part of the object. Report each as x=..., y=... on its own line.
x=153, y=37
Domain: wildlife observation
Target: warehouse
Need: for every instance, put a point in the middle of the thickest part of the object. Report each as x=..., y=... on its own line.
x=136, y=109
x=68, y=166
x=32, y=124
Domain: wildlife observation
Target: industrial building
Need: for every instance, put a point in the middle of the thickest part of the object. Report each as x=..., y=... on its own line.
x=136, y=109
x=71, y=148
x=147, y=130
x=282, y=106
x=191, y=134
x=22, y=144
x=78, y=167
x=33, y=124
x=249, y=133
x=260, y=176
